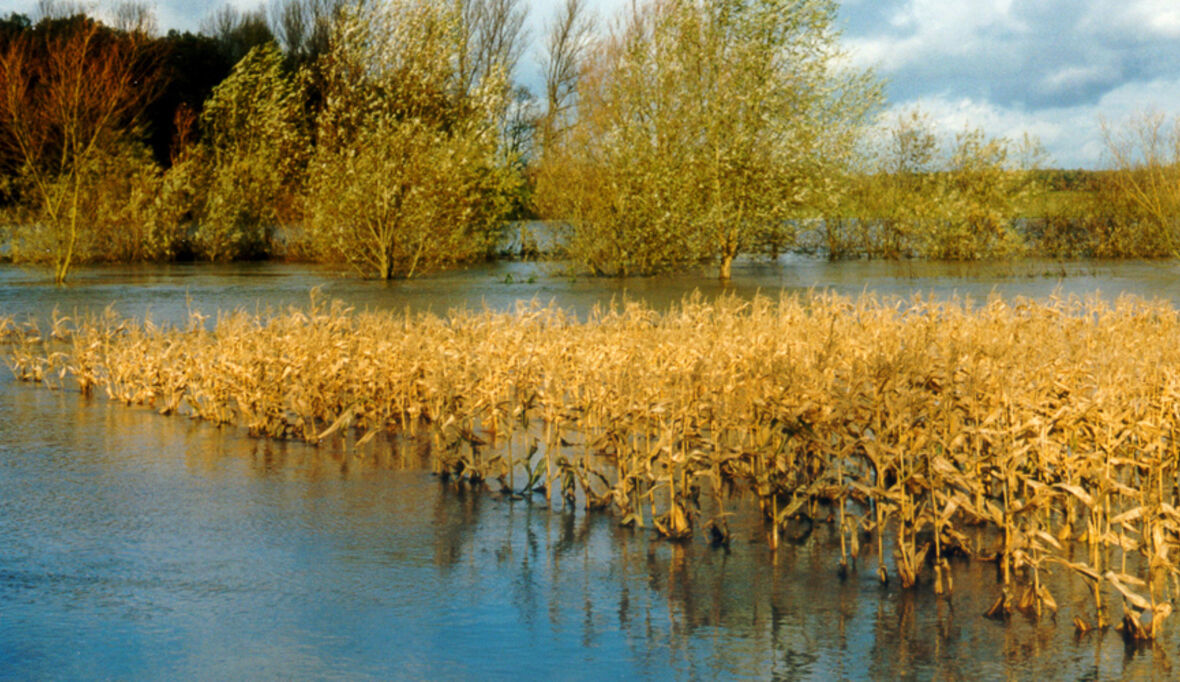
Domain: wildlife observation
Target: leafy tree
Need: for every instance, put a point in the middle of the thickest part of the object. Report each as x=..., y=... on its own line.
x=404, y=176
x=988, y=183
x=919, y=195
x=701, y=126
x=13, y=25
x=895, y=194
x=249, y=165
x=135, y=213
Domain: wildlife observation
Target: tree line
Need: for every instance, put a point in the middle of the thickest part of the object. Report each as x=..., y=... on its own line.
x=394, y=136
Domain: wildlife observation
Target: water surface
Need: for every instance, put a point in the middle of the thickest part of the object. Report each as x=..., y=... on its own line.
x=167, y=292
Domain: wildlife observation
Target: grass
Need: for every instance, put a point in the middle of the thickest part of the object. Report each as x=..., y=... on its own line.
x=1050, y=426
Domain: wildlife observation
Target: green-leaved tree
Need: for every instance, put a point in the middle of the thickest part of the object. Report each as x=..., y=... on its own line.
x=1144, y=185
x=922, y=194
x=404, y=177
x=248, y=168
x=702, y=126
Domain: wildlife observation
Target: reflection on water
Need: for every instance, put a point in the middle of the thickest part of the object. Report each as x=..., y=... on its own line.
x=153, y=547
x=167, y=292
x=140, y=546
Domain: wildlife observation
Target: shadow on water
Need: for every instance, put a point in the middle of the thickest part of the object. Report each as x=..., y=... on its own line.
x=141, y=546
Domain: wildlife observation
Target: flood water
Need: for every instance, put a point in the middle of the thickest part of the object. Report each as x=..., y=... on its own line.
x=167, y=292
x=136, y=546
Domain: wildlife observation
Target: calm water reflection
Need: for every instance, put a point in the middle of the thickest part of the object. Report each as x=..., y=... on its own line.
x=144, y=547
x=167, y=292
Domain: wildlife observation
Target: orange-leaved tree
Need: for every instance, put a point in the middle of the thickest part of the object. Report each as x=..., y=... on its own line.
x=71, y=94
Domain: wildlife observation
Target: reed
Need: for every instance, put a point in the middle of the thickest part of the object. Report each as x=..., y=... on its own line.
x=1010, y=431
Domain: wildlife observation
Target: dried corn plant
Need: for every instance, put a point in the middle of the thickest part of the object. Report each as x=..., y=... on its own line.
x=1040, y=436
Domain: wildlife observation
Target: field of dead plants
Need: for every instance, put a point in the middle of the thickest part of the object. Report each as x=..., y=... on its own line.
x=1038, y=435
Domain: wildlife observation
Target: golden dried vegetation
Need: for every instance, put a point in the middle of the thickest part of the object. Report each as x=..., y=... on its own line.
x=1038, y=435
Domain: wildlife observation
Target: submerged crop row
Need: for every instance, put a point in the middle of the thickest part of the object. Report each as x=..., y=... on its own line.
x=1040, y=435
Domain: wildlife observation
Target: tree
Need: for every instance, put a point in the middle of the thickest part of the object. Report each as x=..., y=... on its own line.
x=250, y=162
x=896, y=192
x=191, y=66
x=920, y=195
x=491, y=38
x=404, y=175
x=704, y=124
x=238, y=32
x=569, y=39
x=134, y=213
x=1145, y=184
x=304, y=27
x=988, y=182
x=71, y=92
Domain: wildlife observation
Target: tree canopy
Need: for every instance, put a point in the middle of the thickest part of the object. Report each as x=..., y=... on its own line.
x=701, y=125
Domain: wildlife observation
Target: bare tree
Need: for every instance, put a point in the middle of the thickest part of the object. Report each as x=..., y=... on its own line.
x=134, y=17
x=569, y=38
x=304, y=27
x=58, y=9
x=491, y=36
x=238, y=31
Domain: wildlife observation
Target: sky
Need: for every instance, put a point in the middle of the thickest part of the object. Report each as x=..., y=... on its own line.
x=1051, y=68
x=1054, y=69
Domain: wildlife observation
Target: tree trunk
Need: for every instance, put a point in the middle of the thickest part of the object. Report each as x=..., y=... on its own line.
x=386, y=264
x=726, y=272
x=729, y=250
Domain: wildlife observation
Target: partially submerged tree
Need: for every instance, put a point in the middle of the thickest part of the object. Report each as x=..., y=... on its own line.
x=404, y=175
x=923, y=194
x=700, y=126
x=248, y=168
x=133, y=209
x=71, y=94
x=988, y=184
x=1144, y=184
x=889, y=193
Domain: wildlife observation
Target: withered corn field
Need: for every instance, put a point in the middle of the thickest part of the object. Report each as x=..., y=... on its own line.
x=1038, y=436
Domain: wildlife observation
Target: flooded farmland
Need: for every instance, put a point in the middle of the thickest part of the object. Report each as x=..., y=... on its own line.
x=147, y=546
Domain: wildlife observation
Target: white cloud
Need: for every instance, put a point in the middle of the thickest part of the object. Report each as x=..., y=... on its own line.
x=1072, y=78
x=1162, y=94
x=923, y=29
x=1136, y=20
x=1072, y=136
